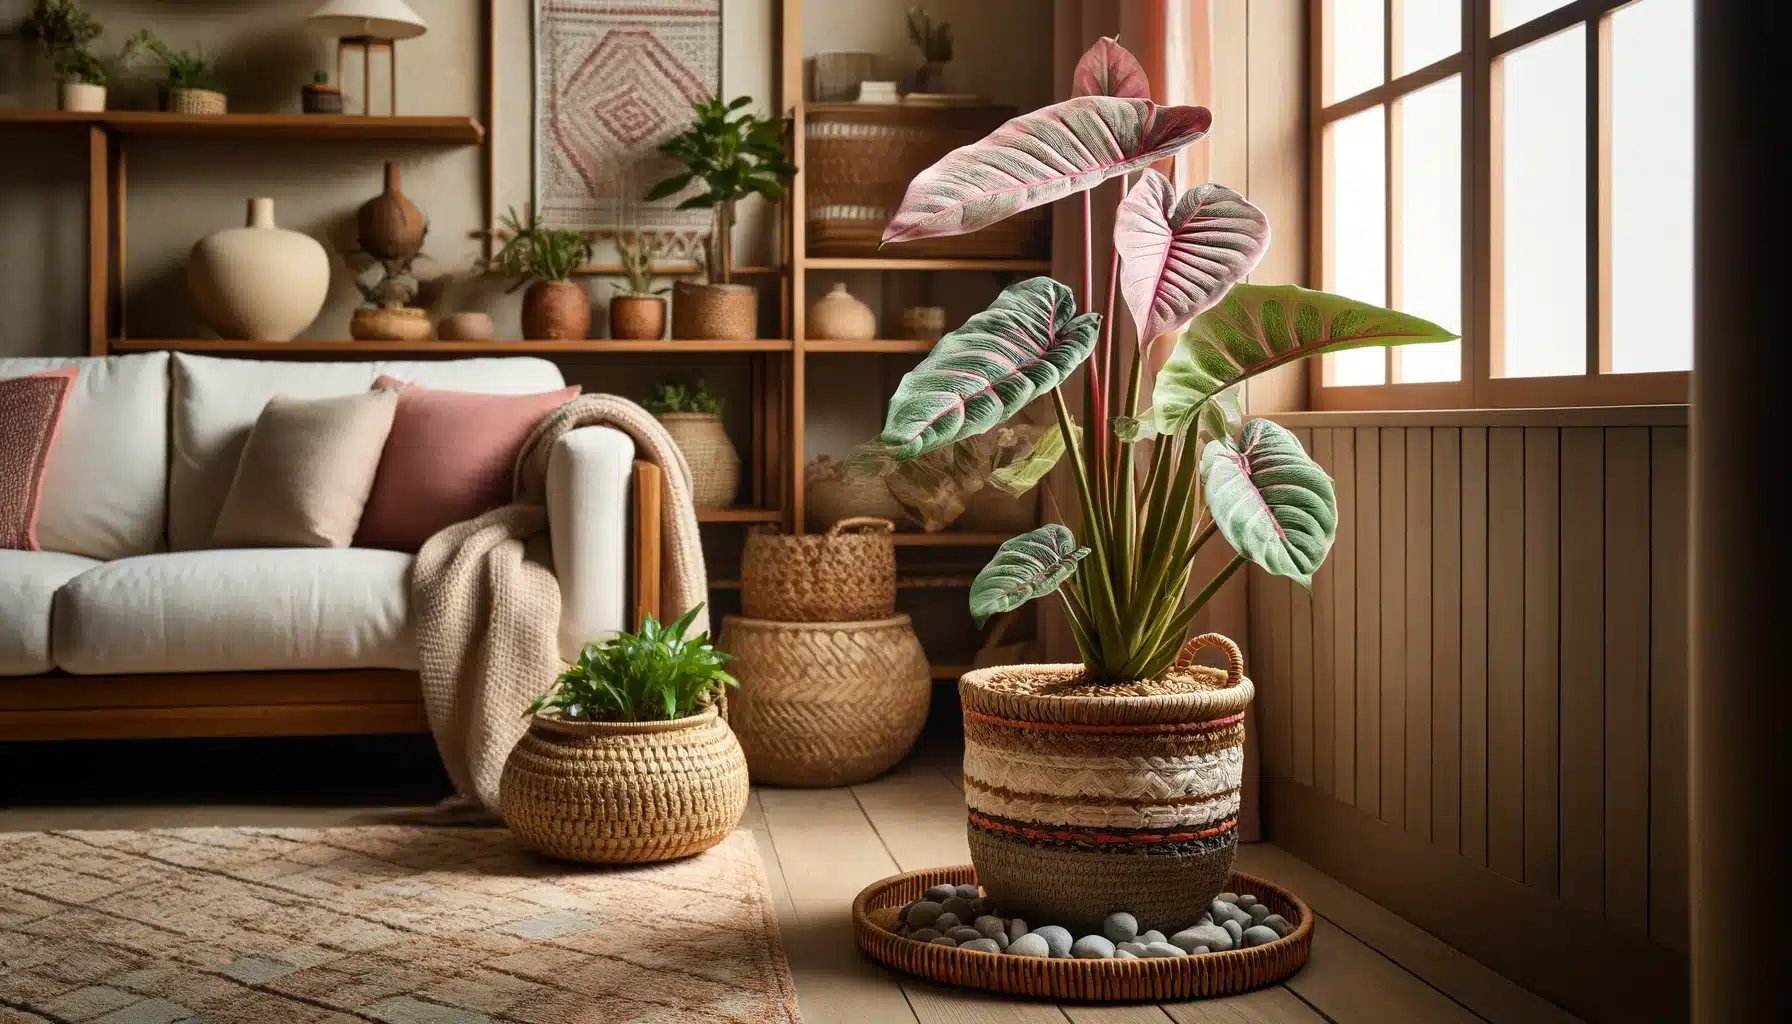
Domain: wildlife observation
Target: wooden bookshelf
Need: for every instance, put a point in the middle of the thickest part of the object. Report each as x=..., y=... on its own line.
x=949, y=539
x=156, y=124
x=740, y=514
x=356, y=349
x=897, y=263
x=886, y=347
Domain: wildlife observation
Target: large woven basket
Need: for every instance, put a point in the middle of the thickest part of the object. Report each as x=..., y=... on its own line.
x=847, y=574
x=1085, y=803
x=624, y=792
x=859, y=159
x=715, y=465
x=831, y=495
x=826, y=704
x=1156, y=979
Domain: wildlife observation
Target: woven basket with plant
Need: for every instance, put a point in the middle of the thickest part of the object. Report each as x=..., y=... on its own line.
x=191, y=84
x=693, y=417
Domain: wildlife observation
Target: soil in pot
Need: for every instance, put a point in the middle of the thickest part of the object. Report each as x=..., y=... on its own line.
x=637, y=317
x=556, y=311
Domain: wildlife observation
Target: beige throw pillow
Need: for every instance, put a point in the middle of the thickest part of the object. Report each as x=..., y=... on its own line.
x=306, y=471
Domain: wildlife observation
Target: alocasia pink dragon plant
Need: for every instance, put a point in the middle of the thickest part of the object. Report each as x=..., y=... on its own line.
x=1179, y=260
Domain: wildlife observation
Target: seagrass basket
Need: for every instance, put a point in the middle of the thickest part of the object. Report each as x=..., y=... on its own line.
x=624, y=792
x=830, y=495
x=847, y=574
x=825, y=704
x=197, y=101
x=715, y=465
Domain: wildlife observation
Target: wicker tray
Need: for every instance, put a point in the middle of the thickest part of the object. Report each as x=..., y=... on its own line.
x=1182, y=977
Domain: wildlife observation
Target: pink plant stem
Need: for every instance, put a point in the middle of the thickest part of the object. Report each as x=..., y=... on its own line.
x=1093, y=431
x=1106, y=346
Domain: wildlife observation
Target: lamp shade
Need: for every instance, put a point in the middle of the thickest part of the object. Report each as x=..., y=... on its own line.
x=380, y=19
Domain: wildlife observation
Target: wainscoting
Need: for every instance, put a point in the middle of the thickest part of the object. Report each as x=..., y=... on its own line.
x=1478, y=717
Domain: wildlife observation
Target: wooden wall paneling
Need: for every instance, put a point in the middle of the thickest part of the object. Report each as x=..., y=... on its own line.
x=1281, y=645
x=1626, y=678
x=1582, y=789
x=1393, y=626
x=1368, y=619
x=1542, y=651
x=1261, y=667
x=1300, y=664
x=1474, y=645
x=1668, y=672
x=1505, y=651
x=1446, y=637
x=1324, y=645
x=1346, y=608
x=1419, y=559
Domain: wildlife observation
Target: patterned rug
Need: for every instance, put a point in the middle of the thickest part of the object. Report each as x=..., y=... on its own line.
x=390, y=924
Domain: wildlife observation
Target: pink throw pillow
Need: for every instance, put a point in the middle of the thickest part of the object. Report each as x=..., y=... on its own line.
x=31, y=408
x=451, y=456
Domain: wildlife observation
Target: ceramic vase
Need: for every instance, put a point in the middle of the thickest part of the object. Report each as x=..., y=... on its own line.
x=714, y=311
x=556, y=311
x=82, y=98
x=464, y=327
x=389, y=226
x=258, y=282
x=637, y=317
x=837, y=316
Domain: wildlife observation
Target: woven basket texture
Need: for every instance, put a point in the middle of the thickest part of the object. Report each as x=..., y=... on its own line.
x=1159, y=979
x=847, y=574
x=828, y=501
x=715, y=465
x=826, y=704
x=624, y=793
x=197, y=101
x=714, y=312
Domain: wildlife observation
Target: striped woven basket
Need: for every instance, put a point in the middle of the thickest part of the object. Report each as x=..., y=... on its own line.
x=1084, y=801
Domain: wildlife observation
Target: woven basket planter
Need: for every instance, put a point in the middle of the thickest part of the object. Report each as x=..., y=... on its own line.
x=847, y=574
x=624, y=792
x=715, y=465
x=830, y=496
x=1082, y=804
x=825, y=704
x=197, y=101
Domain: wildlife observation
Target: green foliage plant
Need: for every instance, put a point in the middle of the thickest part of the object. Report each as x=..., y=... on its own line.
x=733, y=153
x=656, y=675
x=674, y=397
x=638, y=253
x=934, y=40
x=182, y=70
x=64, y=31
x=532, y=252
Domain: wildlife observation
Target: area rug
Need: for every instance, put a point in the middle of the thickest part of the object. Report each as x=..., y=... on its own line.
x=390, y=924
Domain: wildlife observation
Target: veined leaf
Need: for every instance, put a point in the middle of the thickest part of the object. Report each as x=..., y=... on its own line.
x=1271, y=501
x=1031, y=565
x=1180, y=254
x=1260, y=327
x=1035, y=158
x=1108, y=69
x=1028, y=340
x=1222, y=415
x=1019, y=477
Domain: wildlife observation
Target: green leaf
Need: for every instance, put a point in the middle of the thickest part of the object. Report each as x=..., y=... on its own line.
x=1222, y=415
x=1022, y=346
x=1029, y=566
x=1271, y=501
x=1022, y=475
x=671, y=186
x=1260, y=327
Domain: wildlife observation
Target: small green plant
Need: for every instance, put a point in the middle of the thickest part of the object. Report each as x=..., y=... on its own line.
x=63, y=31
x=183, y=70
x=655, y=675
x=674, y=397
x=320, y=79
x=933, y=40
x=537, y=253
x=638, y=254
x=735, y=153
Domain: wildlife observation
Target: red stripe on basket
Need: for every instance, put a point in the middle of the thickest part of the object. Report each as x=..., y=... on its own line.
x=1103, y=837
x=1208, y=726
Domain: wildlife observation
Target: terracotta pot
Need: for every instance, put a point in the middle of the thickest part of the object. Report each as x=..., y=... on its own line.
x=320, y=99
x=195, y=101
x=464, y=327
x=715, y=465
x=389, y=226
x=82, y=98
x=258, y=283
x=638, y=317
x=389, y=323
x=556, y=311
x=714, y=311
x=838, y=316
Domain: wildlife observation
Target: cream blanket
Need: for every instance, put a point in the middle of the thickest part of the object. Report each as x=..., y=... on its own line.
x=487, y=604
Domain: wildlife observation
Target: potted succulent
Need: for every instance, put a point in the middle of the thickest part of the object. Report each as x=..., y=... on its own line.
x=191, y=85
x=1138, y=810
x=732, y=153
x=319, y=96
x=64, y=31
x=693, y=417
x=555, y=307
x=934, y=40
x=627, y=759
x=638, y=309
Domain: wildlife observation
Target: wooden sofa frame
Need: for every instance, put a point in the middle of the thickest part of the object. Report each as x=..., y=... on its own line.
x=61, y=706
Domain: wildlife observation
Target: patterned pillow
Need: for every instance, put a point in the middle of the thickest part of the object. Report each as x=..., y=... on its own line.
x=31, y=408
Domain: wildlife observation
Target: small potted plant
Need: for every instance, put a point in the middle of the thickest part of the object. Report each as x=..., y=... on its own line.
x=555, y=308
x=693, y=417
x=192, y=85
x=934, y=40
x=638, y=309
x=63, y=31
x=732, y=153
x=320, y=97
x=627, y=760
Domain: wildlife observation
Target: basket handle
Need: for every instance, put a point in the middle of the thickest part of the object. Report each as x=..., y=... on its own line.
x=1234, y=656
x=852, y=521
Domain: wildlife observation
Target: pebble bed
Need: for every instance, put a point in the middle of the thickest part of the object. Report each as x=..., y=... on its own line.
x=964, y=917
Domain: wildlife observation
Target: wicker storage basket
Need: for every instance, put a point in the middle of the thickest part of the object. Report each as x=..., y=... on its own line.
x=825, y=704
x=715, y=465
x=859, y=159
x=831, y=495
x=847, y=574
x=1092, y=833
x=197, y=101
x=624, y=792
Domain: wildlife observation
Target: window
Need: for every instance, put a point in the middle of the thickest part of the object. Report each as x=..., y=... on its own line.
x=1519, y=171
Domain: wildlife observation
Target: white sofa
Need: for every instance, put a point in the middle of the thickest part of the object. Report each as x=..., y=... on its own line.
x=127, y=623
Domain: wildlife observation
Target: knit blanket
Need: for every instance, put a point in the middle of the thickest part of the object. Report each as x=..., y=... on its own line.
x=487, y=603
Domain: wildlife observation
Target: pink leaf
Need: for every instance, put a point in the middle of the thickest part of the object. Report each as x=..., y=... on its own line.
x=1180, y=254
x=1109, y=69
x=1039, y=157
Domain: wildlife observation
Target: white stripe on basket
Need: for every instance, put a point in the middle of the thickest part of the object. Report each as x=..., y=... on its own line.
x=1141, y=779
x=1056, y=812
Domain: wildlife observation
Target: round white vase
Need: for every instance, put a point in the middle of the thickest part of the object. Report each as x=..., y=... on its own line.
x=82, y=98
x=260, y=282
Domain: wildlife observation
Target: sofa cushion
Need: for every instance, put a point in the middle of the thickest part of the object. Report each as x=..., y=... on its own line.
x=105, y=490
x=28, y=584
x=216, y=401
x=238, y=610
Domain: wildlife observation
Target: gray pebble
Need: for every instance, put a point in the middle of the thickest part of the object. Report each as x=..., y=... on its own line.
x=981, y=945
x=1278, y=923
x=1092, y=947
x=1120, y=927
x=1135, y=948
x=1258, y=912
x=1197, y=949
x=969, y=892
x=925, y=934
x=982, y=906
x=902, y=932
x=939, y=893
x=1223, y=912
x=1151, y=936
x=1122, y=954
x=1229, y=897
x=1234, y=929
x=1029, y=945
x=964, y=933
x=1210, y=935
x=922, y=914
x=1257, y=935
x=947, y=922
x=1205, y=919
x=990, y=926
x=943, y=940
x=1246, y=901
x=1001, y=939
x=960, y=906
x=1162, y=949
x=1055, y=937
x=1016, y=928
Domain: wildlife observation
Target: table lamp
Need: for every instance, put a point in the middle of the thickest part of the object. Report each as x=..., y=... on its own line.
x=367, y=25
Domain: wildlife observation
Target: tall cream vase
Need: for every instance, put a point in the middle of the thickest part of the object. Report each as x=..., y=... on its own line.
x=259, y=282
